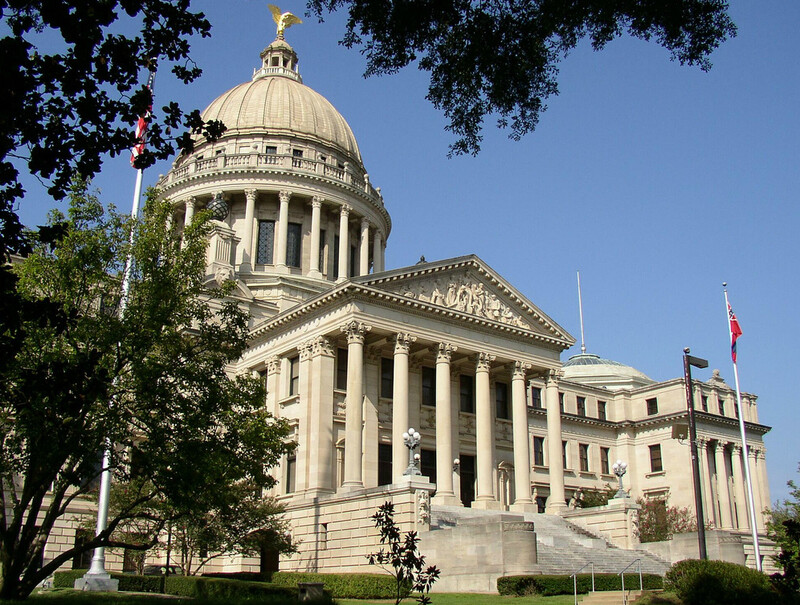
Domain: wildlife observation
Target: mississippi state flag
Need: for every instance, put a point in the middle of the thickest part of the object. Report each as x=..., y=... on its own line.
x=736, y=331
x=141, y=124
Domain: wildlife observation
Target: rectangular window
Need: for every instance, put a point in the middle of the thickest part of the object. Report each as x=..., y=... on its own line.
x=652, y=406
x=501, y=400
x=721, y=407
x=427, y=464
x=294, y=376
x=341, y=369
x=655, y=459
x=336, y=257
x=536, y=398
x=384, y=463
x=581, y=406
x=429, y=386
x=564, y=453
x=704, y=402
x=604, y=468
x=561, y=402
x=297, y=153
x=538, y=451
x=266, y=242
x=387, y=377
x=601, y=410
x=323, y=241
x=467, y=393
x=291, y=473
x=270, y=149
x=735, y=410
x=583, y=454
x=353, y=254
x=294, y=245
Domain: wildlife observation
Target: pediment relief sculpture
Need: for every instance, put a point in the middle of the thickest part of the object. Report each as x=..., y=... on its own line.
x=463, y=294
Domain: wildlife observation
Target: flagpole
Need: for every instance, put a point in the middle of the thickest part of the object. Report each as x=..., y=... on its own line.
x=745, y=450
x=97, y=578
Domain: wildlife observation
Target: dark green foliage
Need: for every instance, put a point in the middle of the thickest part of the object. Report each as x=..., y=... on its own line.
x=127, y=582
x=698, y=582
x=501, y=58
x=658, y=521
x=342, y=585
x=590, y=498
x=400, y=557
x=550, y=585
x=784, y=527
x=222, y=589
x=249, y=576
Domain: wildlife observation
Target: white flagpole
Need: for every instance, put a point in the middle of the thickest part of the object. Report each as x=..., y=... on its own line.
x=97, y=578
x=745, y=451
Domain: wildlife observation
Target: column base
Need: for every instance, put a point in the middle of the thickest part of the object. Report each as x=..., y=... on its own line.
x=524, y=507
x=315, y=274
x=102, y=582
x=351, y=486
x=446, y=500
x=488, y=504
x=556, y=508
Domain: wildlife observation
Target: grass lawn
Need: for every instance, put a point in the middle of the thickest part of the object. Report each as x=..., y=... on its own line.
x=454, y=598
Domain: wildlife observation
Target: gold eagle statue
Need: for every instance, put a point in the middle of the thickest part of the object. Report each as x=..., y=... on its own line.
x=283, y=20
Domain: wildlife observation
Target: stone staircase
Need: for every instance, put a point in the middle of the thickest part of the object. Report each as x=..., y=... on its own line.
x=610, y=597
x=562, y=547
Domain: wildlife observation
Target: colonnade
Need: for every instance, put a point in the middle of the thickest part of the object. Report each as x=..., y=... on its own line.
x=369, y=235
x=315, y=471
x=724, y=493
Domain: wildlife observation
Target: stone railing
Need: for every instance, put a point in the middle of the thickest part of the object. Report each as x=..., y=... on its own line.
x=289, y=163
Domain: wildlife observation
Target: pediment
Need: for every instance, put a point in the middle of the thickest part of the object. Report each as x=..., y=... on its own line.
x=467, y=285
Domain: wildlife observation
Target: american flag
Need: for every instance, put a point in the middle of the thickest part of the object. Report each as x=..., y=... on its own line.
x=141, y=124
x=736, y=331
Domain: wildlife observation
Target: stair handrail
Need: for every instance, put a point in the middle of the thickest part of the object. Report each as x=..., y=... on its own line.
x=638, y=563
x=574, y=577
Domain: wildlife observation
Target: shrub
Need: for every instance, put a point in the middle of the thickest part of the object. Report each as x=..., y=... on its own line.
x=66, y=579
x=698, y=582
x=550, y=585
x=127, y=582
x=229, y=590
x=342, y=585
x=250, y=576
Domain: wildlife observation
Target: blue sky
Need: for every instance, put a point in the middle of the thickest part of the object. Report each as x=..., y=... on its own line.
x=658, y=182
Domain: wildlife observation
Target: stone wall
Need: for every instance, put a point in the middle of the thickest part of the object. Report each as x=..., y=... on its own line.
x=617, y=521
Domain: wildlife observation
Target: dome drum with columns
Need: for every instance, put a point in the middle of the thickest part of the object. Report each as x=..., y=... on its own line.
x=301, y=207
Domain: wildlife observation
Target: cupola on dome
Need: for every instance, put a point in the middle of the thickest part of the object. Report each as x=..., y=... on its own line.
x=586, y=368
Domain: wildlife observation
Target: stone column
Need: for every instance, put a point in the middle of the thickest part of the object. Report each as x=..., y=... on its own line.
x=363, y=252
x=377, y=251
x=321, y=472
x=740, y=488
x=305, y=416
x=273, y=367
x=344, y=243
x=188, y=216
x=756, y=480
x=484, y=434
x=282, y=229
x=709, y=510
x=316, y=206
x=444, y=429
x=723, y=493
x=402, y=345
x=555, y=503
x=372, y=380
x=355, y=332
x=522, y=455
x=763, y=479
x=246, y=256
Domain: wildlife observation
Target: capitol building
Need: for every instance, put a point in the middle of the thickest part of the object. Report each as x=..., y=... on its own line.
x=354, y=354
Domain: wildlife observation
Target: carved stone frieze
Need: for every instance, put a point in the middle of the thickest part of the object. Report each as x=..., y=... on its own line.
x=384, y=412
x=466, y=424
x=463, y=294
x=503, y=431
x=427, y=418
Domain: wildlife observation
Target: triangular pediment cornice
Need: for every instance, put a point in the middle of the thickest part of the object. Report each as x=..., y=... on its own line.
x=494, y=303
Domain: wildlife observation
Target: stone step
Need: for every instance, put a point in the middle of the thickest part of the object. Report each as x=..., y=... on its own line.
x=610, y=597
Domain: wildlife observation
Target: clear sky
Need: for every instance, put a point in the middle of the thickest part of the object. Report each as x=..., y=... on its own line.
x=658, y=182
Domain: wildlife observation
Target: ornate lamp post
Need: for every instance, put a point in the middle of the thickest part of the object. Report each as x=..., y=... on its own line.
x=620, y=468
x=411, y=439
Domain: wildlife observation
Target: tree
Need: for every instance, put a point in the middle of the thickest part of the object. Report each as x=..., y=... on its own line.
x=658, y=521
x=783, y=526
x=73, y=89
x=501, y=58
x=402, y=554
x=154, y=383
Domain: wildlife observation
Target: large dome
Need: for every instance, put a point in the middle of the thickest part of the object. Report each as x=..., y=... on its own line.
x=586, y=368
x=277, y=101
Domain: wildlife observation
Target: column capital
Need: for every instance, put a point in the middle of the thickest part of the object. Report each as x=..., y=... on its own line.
x=316, y=201
x=702, y=443
x=445, y=353
x=355, y=331
x=483, y=361
x=552, y=377
x=365, y=222
x=322, y=345
x=306, y=349
x=250, y=194
x=273, y=364
x=402, y=342
x=520, y=369
x=284, y=196
x=190, y=202
x=736, y=449
x=345, y=210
